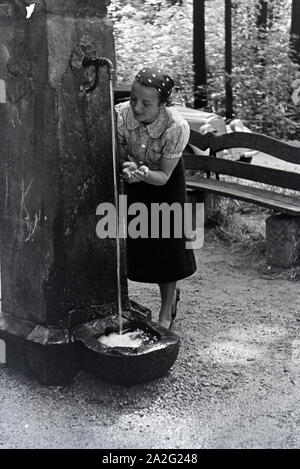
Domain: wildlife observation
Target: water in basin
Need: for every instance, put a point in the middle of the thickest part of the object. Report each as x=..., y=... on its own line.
x=132, y=339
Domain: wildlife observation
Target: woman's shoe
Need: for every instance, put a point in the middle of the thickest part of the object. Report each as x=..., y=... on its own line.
x=173, y=315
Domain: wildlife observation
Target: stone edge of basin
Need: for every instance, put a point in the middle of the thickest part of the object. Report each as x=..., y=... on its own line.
x=121, y=365
x=53, y=355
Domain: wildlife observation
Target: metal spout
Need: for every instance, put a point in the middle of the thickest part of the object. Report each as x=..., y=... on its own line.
x=97, y=63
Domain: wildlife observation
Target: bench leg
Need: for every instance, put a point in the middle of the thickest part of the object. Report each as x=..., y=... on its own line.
x=197, y=200
x=282, y=240
x=215, y=207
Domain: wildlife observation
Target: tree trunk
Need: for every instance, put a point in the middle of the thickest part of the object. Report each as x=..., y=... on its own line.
x=199, y=53
x=261, y=21
x=295, y=31
x=228, y=60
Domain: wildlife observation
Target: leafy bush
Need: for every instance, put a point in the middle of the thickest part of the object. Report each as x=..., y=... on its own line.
x=263, y=72
x=161, y=33
x=155, y=33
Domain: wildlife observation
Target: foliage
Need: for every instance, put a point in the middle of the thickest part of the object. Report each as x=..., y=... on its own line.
x=263, y=72
x=161, y=32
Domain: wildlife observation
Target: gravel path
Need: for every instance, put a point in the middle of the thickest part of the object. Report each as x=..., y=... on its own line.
x=235, y=383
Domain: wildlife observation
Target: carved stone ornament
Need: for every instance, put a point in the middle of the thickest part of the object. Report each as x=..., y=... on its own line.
x=20, y=84
x=6, y=10
x=79, y=53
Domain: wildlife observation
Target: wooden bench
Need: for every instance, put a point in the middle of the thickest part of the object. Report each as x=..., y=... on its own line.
x=283, y=230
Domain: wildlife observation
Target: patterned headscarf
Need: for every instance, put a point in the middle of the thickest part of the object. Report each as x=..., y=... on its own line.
x=150, y=76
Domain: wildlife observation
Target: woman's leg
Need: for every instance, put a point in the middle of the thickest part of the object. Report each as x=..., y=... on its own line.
x=167, y=293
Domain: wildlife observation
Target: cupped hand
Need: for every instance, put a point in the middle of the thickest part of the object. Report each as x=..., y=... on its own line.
x=140, y=174
x=127, y=168
x=131, y=173
x=129, y=165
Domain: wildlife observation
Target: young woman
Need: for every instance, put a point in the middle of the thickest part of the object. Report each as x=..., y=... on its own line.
x=152, y=137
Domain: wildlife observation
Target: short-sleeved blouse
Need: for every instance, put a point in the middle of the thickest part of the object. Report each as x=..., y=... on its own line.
x=166, y=137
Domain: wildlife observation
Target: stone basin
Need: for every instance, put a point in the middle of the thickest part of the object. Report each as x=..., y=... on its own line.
x=126, y=365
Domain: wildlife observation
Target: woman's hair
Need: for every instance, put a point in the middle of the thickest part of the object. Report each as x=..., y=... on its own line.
x=162, y=99
x=155, y=78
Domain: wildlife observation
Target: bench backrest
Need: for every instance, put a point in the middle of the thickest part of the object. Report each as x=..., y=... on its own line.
x=251, y=141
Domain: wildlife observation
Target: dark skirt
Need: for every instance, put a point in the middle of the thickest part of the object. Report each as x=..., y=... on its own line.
x=159, y=260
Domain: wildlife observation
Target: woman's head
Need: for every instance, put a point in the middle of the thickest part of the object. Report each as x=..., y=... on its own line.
x=150, y=91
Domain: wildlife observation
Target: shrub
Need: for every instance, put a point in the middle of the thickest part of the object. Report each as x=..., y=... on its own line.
x=160, y=32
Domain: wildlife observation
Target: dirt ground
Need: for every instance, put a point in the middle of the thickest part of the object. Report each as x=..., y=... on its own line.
x=235, y=383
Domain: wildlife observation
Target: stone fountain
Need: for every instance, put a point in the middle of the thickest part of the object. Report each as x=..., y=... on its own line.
x=59, y=281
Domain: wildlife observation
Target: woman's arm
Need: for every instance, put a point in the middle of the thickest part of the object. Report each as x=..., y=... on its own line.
x=159, y=177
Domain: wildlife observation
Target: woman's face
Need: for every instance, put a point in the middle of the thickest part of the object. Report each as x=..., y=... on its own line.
x=144, y=102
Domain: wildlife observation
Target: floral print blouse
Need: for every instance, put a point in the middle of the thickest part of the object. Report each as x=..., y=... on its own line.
x=166, y=137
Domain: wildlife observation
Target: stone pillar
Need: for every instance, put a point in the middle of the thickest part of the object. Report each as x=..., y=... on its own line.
x=282, y=240
x=56, y=167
